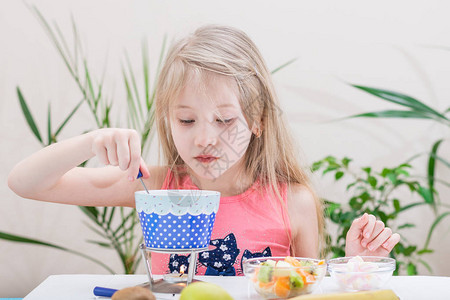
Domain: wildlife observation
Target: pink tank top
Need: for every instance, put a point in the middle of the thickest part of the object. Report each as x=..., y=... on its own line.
x=252, y=224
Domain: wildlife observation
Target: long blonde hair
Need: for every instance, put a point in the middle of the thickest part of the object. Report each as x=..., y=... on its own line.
x=224, y=50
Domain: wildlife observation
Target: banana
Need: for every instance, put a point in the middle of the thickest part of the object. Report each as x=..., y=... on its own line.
x=366, y=295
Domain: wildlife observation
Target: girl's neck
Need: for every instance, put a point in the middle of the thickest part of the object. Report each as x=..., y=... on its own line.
x=231, y=183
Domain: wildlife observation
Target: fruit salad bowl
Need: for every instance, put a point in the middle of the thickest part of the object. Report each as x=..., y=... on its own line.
x=361, y=273
x=284, y=277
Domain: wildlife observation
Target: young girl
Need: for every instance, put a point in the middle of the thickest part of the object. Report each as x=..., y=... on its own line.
x=220, y=129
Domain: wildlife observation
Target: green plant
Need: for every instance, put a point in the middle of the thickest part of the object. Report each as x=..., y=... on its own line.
x=377, y=193
x=413, y=109
x=115, y=226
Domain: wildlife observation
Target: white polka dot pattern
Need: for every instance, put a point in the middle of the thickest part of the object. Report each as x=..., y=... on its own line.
x=177, y=219
x=176, y=232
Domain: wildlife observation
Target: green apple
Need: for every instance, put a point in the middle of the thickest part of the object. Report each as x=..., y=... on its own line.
x=204, y=291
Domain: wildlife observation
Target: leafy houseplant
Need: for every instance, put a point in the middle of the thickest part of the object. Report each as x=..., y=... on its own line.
x=413, y=109
x=375, y=193
x=115, y=226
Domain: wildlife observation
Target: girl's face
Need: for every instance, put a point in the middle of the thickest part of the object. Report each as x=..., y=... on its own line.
x=208, y=126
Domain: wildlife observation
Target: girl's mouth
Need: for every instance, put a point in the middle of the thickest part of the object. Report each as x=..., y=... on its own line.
x=206, y=159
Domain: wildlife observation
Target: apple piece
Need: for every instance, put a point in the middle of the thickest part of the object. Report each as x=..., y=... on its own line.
x=204, y=291
x=282, y=269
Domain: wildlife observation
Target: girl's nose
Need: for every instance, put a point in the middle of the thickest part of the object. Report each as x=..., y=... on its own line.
x=205, y=136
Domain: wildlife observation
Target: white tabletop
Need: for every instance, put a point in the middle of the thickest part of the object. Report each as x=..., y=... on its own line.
x=81, y=286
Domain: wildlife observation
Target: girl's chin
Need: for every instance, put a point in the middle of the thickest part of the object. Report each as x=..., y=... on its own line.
x=208, y=171
x=208, y=174
x=211, y=171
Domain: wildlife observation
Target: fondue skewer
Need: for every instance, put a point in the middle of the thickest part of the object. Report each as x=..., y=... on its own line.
x=140, y=178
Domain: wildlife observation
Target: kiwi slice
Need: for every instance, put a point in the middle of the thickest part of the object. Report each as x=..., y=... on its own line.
x=295, y=280
x=265, y=273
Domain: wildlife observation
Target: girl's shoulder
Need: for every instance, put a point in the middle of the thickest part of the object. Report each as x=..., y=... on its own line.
x=300, y=197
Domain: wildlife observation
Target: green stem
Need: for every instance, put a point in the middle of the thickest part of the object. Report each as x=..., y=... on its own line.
x=92, y=259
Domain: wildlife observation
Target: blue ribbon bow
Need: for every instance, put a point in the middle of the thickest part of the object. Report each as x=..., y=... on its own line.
x=230, y=271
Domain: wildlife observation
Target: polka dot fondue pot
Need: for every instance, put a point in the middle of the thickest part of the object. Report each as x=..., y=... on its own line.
x=177, y=219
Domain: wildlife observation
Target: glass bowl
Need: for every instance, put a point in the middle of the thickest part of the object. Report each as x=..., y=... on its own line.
x=361, y=273
x=284, y=277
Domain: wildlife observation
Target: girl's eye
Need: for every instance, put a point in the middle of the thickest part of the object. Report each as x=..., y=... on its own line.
x=186, y=122
x=225, y=121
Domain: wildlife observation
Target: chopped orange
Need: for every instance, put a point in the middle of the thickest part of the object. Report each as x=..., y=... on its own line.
x=321, y=262
x=282, y=287
x=266, y=285
x=306, y=276
x=255, y=276
x=310, y=279
x=292, y=261
x=301, y=273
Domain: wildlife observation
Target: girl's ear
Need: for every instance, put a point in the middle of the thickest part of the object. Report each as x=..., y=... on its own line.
x=256, y=129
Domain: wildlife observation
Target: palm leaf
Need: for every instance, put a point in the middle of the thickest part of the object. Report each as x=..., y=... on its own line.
x=145, y=69
x=95, y=230
x=426, y=265
x=54, y=39
x=406, y=207
x=28, y=116
x=121, y=226
x=101, y=244
x=49, y=125
x=68, y=118
x=431, y=168
x=21, y=239
x=158, y=69
x=76, y=44
x=132, y=80
x=147, y=132
x=403, y=100
x=111, y=216
x=91, y=212
x=283, y=66
x=393, y=114
x=134, y=117
x=445, y=162
x=104, y=213
x=70, y=63
x=435, y=223
x=90, y=86
x=65, y=48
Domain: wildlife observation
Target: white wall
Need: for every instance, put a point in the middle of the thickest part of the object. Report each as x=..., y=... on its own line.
x=377, y=43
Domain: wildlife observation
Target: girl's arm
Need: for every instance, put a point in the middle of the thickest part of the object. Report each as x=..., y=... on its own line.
x=304, y=224
x=51, y=174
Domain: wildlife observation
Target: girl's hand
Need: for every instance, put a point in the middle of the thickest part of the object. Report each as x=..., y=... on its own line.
x=120, y=147
x=369, y=237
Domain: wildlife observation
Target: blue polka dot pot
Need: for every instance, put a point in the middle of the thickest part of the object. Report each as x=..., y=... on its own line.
x=177, y=219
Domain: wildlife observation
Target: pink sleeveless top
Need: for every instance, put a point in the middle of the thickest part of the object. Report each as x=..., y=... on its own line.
x=252, y=224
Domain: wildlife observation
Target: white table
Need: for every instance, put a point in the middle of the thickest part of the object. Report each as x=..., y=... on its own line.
x=81, y=287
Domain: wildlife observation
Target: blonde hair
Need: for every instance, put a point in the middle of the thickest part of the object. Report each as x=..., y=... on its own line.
x=228, y=51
